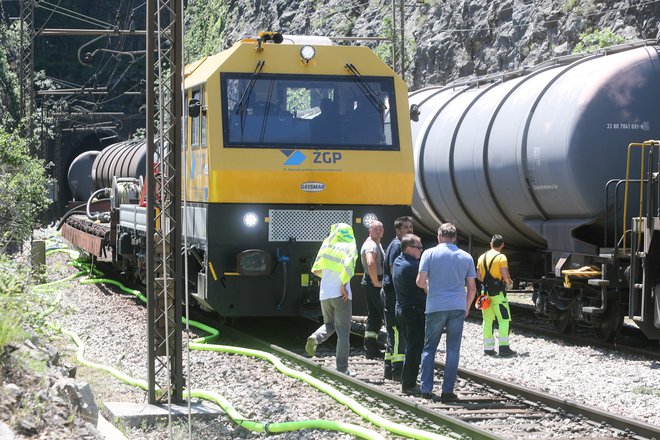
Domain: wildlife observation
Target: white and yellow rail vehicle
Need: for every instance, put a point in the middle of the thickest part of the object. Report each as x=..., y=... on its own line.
x=286, y=136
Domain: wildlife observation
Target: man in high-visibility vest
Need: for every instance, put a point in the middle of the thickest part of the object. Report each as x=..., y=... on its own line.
x=493, y=272
x=335, y=264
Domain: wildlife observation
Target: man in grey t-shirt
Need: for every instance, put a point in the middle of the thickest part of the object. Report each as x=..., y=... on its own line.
x=372, y=256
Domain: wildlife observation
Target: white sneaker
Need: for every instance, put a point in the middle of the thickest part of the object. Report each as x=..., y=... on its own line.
x=310, y=346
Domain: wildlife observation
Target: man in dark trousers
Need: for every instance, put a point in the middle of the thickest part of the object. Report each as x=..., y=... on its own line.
x=410, y=307
x=372, y=256
x=396, y=344
x=493, y=272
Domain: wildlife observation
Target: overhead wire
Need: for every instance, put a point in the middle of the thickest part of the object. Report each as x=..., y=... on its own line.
x=115, y=77
x=72, y=14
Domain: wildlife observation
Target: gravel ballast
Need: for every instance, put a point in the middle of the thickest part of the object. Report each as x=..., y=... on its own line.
x=113, y=326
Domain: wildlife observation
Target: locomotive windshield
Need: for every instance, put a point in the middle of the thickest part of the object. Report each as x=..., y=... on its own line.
x=304, y=111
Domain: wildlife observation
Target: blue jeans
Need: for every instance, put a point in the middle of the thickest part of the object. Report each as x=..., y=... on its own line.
x=436, y=322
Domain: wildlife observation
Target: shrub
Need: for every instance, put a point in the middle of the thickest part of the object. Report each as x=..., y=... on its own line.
x=12, y=302
x=23, y=189
x=597, y=39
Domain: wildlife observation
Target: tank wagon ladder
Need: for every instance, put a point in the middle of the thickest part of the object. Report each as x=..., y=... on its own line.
x=644, y=271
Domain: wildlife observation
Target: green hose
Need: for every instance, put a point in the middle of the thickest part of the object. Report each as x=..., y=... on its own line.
x=202, y=344
x=236, y=416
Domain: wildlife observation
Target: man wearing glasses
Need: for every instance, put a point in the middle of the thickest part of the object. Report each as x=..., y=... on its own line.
x=396, y=341
x=410, y=306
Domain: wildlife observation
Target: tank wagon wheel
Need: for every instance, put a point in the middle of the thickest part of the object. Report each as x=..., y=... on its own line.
x=565, y=322
x=612, y=322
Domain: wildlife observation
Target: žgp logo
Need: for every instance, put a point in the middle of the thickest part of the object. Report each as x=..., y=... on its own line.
x=294, y=157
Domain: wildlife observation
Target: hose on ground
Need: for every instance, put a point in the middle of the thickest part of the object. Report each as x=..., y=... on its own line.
x=202, y=344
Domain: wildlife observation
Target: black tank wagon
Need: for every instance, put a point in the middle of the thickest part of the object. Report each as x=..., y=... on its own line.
x=540, y=156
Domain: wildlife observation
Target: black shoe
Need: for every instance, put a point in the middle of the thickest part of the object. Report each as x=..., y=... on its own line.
x=428, y=396
x=414, y=391
x=397, y=369
x=490, y=353
x=505, y=351
x=374, y=355
x=388, y=370
x=448, y=397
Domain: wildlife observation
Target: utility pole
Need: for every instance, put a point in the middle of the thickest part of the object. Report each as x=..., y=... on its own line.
x=164, y=260
x=26, y=63
x=401, y=40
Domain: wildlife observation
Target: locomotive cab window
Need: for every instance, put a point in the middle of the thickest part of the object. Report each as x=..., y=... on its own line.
x=202, y=118
x=194, y=124
x=305, y=111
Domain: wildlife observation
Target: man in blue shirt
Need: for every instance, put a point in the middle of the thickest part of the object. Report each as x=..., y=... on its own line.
x=410, y=306
x=396, y=342
x=445, y=272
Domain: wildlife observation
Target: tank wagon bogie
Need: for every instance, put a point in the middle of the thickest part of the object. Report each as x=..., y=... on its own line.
x=285, y=136
x=540, y=157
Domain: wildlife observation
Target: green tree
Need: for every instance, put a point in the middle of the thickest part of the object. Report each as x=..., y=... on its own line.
x=23, y=192
x=384, y=49
x=205, y=28
x=597, y=39
x=9, y=89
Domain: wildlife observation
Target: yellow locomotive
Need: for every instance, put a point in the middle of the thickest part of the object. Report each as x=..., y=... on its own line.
x=287, y=135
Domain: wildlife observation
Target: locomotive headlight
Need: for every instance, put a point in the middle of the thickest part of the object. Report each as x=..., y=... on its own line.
x=307, y=53
x=368, y=219
x=250, y=219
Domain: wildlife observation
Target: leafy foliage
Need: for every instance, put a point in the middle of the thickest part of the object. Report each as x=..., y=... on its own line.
x=23, y=193
x=206, y=28
x=9, y=89
x=384, y=49
x=597, y=39
x=12, y=286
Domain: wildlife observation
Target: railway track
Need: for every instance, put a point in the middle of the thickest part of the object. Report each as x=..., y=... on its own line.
x=629, y=338
x=487, y=407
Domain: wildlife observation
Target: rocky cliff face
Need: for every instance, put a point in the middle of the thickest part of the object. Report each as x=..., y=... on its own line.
x=449, y=39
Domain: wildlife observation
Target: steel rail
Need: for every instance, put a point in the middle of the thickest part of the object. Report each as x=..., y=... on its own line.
x=451, y=423
x=625, y=424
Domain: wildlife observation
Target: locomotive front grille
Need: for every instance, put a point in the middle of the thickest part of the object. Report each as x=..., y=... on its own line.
x=303, y=225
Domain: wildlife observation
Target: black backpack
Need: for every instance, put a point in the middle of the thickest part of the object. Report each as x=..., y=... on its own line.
x=492, y=286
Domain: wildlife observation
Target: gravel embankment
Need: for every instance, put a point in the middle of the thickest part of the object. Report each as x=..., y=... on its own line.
x=113, y=328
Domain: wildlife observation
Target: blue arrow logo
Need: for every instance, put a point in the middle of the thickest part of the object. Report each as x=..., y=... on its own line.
x=295, y=157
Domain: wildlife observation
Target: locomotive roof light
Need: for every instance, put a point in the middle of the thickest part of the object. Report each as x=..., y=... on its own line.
x=368, y=219
x=250, y=219
x=307, y=53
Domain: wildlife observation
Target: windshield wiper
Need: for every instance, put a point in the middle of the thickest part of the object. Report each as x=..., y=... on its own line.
x=245, y=97
x=367, y=90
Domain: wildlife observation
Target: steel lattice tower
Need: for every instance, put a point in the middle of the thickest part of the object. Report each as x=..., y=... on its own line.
x=26, y=62
x=164, y=260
